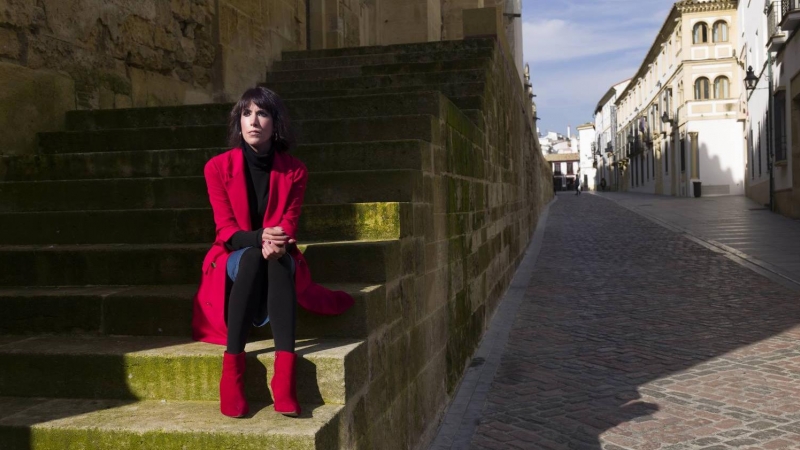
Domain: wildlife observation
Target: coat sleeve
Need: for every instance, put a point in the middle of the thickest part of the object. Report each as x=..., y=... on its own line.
x=224, y=218
x=296, y=194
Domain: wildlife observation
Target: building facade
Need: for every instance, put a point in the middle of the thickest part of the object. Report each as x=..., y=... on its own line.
x=679, y=121
x=586, y=151
x=771, y=48
x=605, y=124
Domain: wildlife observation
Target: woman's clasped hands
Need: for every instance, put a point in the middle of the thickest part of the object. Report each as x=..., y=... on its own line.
x=274, y=242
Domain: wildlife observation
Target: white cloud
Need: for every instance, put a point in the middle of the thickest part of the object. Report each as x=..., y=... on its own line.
x=578, y=49
x=558, y=40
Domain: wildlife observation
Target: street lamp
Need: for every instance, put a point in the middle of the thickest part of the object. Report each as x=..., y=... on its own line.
x=665, y=118
x=751, y=80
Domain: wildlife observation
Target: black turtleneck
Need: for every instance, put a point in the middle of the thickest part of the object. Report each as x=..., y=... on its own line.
x=259, y=167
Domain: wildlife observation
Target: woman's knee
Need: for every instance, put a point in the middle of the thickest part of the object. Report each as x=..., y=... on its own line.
x=251, y=259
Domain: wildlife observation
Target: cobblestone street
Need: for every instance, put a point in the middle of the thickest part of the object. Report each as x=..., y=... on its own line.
x=631, y=336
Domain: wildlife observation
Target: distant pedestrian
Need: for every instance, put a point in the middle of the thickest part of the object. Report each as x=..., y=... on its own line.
x=603, y=184
x=577, y=185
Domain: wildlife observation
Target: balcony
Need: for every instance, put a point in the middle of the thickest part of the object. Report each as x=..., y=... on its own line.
x=776, y=36
x=790, y=14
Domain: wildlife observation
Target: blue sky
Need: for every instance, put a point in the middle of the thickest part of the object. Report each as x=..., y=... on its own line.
x=577, y=49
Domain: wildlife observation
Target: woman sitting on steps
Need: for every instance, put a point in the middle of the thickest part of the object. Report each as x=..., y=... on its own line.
x=254, y=272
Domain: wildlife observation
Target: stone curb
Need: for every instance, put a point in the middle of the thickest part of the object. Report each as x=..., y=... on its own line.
x=462, y=416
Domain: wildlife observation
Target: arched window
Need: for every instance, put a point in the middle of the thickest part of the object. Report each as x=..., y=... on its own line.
x=722, y=88
x=701, y=89
x=700, y=35
x=720, y=33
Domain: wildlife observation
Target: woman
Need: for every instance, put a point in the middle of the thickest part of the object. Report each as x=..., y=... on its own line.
x=254, y=272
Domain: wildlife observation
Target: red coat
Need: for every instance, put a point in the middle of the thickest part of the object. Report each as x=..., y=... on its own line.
x=227, y=192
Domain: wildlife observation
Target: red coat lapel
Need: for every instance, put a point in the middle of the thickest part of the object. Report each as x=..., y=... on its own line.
x=236, y=185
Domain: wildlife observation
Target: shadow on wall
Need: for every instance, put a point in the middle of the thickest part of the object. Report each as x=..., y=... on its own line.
x=582, y=352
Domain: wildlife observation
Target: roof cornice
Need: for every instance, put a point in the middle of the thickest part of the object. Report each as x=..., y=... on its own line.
x=692, y=6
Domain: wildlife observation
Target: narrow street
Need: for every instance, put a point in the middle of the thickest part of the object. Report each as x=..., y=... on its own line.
x=631, y=336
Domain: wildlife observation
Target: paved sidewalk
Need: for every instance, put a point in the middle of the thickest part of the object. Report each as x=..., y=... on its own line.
x=735, y=224
x=631, y=336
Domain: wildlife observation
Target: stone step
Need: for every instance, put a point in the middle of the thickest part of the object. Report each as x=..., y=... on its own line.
x=351, y=221
x=327, y=73
x=191, y=192
x=382, y=58
x=171, y=368
x=50, y=424
x=319, y=107
x=347, y=156
x=168, y=264
x=163, y=311
x=428, y=81
x=321, y=131
x=450, y=90
x=424, y=47
x=152, y=117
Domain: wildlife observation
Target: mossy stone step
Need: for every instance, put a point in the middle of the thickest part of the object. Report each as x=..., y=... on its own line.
x=360, y=129
x=365, y=105
x=351, y=221
x=449, y=90
x=429, y=79
x=346, y=156
x=168, y=264
x=328, y=73
x=171, y=368
x=152, y=117
x=50, y=424
x=397, y=48
x=205, y=136
x=163, y=311
x=191, y=192
x=382, y=58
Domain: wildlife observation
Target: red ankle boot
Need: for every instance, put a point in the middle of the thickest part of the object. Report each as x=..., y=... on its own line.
x=284, y=388
x=232, y=402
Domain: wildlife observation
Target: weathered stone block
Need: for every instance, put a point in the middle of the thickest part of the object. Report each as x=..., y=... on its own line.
x=31, y=101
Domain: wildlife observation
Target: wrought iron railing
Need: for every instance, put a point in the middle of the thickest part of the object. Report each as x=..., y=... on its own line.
x=789, y=5
x=774, y=16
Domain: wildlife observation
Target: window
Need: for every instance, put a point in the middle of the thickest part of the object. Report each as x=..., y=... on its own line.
x=683, y=154
x=721, y=88
x=642, y=162
x=666, y=158
x=780, y=126
x=752, y=156
x=701, y=89
x=570, y=169
x=653, y=163
x=758, y=144
x=700, y=35
x=720, y=33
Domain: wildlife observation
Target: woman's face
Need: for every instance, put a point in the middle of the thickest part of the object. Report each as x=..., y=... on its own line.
x=257, y=127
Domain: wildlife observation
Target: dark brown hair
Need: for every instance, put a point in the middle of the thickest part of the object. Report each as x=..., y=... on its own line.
x=282, y=135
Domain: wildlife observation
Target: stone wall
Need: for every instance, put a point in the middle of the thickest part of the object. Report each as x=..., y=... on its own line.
x=59, y=55
x=483, y=187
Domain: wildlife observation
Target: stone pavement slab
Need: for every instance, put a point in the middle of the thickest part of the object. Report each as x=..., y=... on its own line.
x=768, y=240
x=631, y=336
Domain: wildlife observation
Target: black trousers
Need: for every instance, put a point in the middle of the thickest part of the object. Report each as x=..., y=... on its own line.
x=262, y=287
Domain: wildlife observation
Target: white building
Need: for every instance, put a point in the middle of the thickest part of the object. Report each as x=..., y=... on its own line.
x=605, y=125
x=562, y=153
x=692, y=74
x=586, y=151
x=771, y=47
